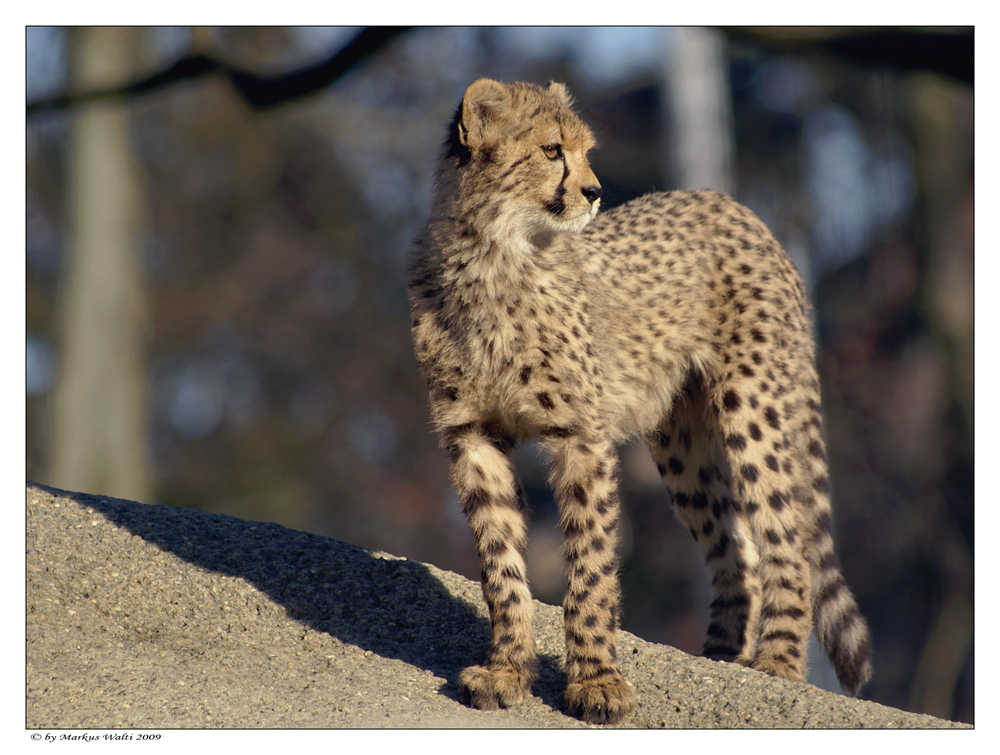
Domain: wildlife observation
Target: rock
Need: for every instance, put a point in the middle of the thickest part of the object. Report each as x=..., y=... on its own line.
x=143, y=616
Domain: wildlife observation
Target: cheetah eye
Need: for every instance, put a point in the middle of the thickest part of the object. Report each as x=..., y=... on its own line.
x=552, y=151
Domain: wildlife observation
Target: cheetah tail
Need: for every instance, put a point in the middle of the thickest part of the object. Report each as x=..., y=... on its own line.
x=840, y=628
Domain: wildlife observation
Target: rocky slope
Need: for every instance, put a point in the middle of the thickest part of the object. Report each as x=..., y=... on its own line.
x=145, y=616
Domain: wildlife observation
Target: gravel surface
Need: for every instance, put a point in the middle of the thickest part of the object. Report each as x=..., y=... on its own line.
x=155, y=617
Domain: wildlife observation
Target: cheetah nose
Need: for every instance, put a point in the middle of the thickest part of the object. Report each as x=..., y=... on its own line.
x=592, y=193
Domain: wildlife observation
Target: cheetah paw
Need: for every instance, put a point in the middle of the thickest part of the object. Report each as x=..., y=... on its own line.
x=773, y=667
x=607, y=700
x=492, y=688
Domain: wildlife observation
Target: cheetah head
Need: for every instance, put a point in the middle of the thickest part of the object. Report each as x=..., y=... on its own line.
x=521, y=148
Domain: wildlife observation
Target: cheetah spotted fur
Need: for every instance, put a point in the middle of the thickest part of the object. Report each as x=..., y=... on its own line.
x=677, y=318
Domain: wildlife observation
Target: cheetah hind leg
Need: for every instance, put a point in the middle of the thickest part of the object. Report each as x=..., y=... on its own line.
x=759, y=450
x=690, y=464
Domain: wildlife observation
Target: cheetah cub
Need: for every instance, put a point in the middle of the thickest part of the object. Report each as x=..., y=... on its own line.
x=676, y=317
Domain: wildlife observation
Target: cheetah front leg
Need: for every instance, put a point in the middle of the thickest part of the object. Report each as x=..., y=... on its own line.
x=494, y=506
x=584, y=476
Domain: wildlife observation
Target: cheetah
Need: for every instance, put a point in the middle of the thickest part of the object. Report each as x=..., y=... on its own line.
x=677, y=318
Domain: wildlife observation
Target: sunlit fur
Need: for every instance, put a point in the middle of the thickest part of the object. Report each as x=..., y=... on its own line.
x=676, y=318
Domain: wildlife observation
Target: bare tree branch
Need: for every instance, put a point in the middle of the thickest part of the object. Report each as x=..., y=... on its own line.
x=944, y=50
x=258, y=91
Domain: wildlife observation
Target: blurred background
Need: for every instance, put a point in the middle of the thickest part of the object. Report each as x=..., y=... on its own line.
x=216, y=310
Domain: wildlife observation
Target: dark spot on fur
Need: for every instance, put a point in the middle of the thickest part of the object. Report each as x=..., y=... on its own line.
x=736, y=442
x=771, y=415
x=719, y=549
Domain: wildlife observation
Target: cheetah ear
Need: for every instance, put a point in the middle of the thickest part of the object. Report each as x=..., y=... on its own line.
x=483, y=99
x=560, y=91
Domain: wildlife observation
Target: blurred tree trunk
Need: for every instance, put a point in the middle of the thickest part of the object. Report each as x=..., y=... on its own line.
x=699, y=104
x=944, y=159
x=100, y=419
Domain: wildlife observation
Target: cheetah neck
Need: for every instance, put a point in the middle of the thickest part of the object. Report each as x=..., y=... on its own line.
x=494, y=283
